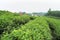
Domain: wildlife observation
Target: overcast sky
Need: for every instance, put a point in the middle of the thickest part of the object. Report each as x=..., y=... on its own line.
x=29, y=5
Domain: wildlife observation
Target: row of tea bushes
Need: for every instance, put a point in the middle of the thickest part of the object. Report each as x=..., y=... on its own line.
x=10, y=21
x=55, y=25
x=37, y=29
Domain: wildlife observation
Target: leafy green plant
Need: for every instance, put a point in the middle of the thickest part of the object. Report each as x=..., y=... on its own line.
x=37, y=29
x=55, y=24
x=10, y=21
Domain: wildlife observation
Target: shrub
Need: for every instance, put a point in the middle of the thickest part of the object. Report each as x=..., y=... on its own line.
x=55, y=23
x=37, y=29
x=10, y=21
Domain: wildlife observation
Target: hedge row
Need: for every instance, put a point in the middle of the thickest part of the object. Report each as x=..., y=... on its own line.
x=37, y=29
x=10, y=21
x=55, y=25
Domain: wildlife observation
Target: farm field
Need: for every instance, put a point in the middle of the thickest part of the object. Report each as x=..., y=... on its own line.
x=14, y=26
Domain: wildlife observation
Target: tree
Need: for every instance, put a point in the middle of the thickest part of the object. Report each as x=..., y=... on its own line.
x=49, y=11
x=55, y=13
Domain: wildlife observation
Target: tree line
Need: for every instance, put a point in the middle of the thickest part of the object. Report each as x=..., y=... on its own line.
x=53, y=13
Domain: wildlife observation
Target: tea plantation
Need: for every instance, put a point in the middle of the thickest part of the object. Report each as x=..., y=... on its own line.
x=14, y=26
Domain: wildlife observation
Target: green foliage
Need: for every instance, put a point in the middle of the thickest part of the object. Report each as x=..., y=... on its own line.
x=14, y=26
x=55, y=23
x=53, y=13
x=37, y=29
x=10, y=21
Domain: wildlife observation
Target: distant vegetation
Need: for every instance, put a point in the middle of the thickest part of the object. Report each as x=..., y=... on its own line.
x=53, y=13
x=17, y=26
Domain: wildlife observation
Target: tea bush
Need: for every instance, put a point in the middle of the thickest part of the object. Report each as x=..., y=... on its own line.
x=37, y=29
x=55, y=23
x=10, y=21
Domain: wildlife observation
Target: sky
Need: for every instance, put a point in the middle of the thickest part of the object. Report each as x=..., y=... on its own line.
x=29, y=5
